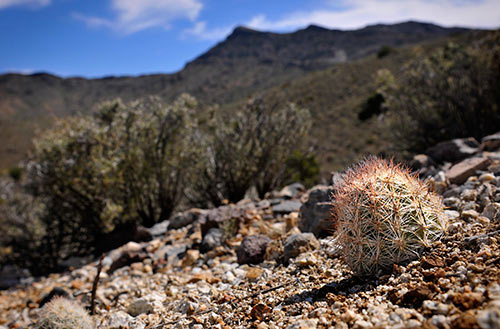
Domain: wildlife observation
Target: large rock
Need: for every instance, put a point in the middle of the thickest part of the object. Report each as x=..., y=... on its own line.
x=286, y=207
x=252, y=249
x=315, y=213
x=11, y=275
x=299, y=243
x=185, y=218
x=454, y=150
x=459, y=173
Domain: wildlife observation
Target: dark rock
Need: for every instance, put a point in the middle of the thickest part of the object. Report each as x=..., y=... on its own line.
x=459, y=173
x=291, y=191
x=491, y=142
x=126, y=258
x=213, y=218
x=432, y=261
x=142, y=234
x=452, y=191
x=170, y=252
x=286, y=207
x=56, y=292
x=185, y=218
x=454, y=150
x=252, y=249
x=421, y=161
x=11, y=275
x=212, y=239
x=299, y=243
x=315, y=213
x=416, y=296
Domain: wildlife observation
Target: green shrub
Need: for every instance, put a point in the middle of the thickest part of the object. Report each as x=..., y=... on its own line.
x=125, y=165
x=302, y=167
x=455, y=92
x=384, y=51
x=373, y=106
x=249, y=149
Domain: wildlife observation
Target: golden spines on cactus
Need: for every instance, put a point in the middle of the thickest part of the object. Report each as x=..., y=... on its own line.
x=384, y=215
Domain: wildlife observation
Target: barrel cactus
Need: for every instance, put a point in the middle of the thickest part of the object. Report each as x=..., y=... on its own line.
x=384, y=215
x=62, y=313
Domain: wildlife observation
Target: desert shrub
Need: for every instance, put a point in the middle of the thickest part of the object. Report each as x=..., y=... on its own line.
x=22, y=229
x=373, y=106
x=125, y=165
x=384, y=51
x=249, y=149
x=385, y=216
x=302, y=167
x=454, y=92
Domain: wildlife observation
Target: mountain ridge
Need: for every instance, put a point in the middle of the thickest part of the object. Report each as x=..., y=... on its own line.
x=246, y=62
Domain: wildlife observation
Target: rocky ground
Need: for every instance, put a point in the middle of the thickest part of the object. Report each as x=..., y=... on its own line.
x=255, y=265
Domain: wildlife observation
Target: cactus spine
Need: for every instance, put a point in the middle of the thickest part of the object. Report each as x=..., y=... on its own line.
x=62, y=313
x=384, y=215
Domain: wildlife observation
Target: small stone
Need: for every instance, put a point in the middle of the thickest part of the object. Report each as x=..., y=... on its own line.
x=119, y=320
x=485, y=221
x=466, y=301
x=299, y=243
x=291, y=191
x=486, y=177
x=491, y=211
x=451, y=202
x=439, y=321
x=491, y=142
x=469, y=195
x=304, y=324
x=252, y=249
x=489, y=318
x=212, y=239
x=254, y=273
x=470, y=214
x=452, y=214
x=416, y=296
x=139, y=306
x=190, y=258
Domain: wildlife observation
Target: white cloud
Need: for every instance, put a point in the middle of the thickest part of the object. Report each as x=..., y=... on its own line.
x=359, y=13
x=201, y=32
x=12, y=3
x=136, y=15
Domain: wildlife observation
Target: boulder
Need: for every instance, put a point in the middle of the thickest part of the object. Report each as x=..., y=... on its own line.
x=315, y=213
x=286, y=207
x=252, y=249
x=454, y=150
x=459, y=173
x=185, y=218
x=299, y=243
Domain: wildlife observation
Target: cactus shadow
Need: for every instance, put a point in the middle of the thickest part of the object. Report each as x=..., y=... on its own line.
x=344, y=287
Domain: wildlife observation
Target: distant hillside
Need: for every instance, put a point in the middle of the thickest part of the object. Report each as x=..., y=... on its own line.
x=246, y=62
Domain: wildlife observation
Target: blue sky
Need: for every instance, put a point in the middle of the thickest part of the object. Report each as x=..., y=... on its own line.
x=95, y=38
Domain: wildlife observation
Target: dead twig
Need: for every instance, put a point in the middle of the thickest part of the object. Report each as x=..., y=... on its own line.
x=481, y=236
x=94, y=285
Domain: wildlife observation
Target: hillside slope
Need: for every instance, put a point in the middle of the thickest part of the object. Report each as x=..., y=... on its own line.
x=247, y=61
